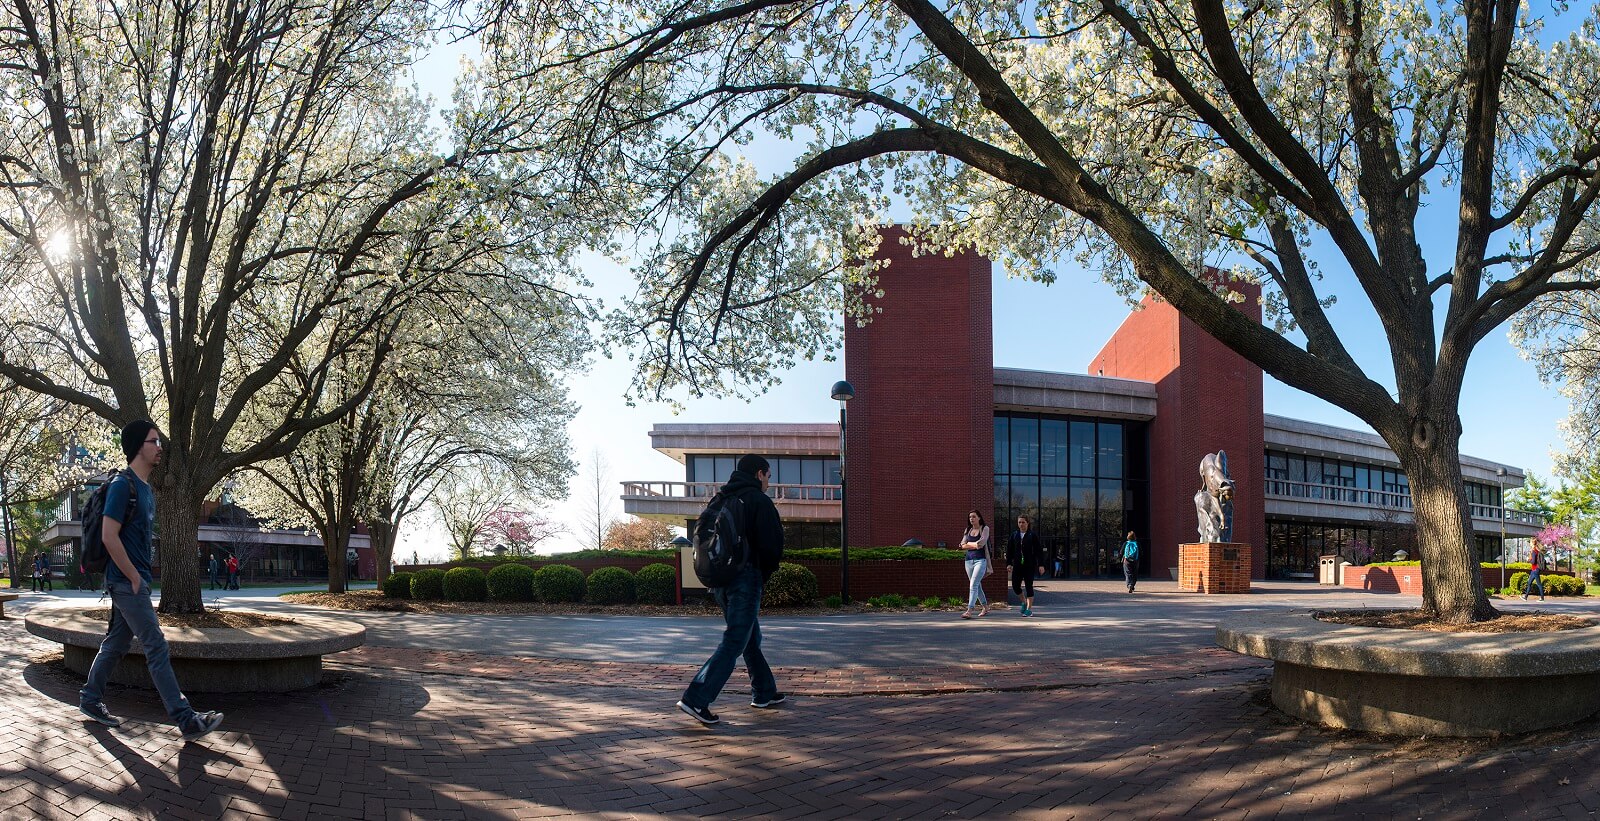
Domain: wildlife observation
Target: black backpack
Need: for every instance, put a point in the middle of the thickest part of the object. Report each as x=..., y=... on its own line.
x=720, y=549
x=94, y=557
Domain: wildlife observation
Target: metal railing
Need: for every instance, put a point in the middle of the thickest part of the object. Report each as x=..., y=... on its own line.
x=1286, y=489
x=705, y=490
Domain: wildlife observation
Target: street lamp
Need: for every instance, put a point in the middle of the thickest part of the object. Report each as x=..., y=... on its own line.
x=843, y=392
x=1500, y=478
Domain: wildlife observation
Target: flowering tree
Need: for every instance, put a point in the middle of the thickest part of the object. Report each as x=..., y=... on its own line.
x=210, y=206
x=519, y=531
x=1148, y=139
x=635, y=533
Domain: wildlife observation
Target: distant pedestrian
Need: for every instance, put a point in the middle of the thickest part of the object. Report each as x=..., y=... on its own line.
x=1061, y=560
x=1130, y=560
x=128, y=582
x=41, y=573
x=760, y=527
x=975, y=540
x=233, y=572
x=215, y=568
x=1024, y=558
x=352, y=563
x=1535, y=569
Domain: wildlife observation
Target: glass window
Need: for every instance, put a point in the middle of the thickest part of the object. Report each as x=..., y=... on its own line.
x=1278, y=466
x=1313, y=470
x=703, y=469
x=1363, y=478
x=1002, y=445
x=1297, y=468
x=1347, y=474
x=786, y=471
x=724, y=469
x=1054, y=505
x=1110, y=450
x=1024, y=445
x=1053, y=447
x=831, y=468
x=1002, y=497
x=1082, y=449
x=811, y=474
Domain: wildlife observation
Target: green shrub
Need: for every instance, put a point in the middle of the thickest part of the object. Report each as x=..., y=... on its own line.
x=428, y=585
x=834, y=601
x=510, y=582
x=954, y=601
x=791, y=586
x=610, y=585
x=877, y=553
x=465, y=584
x=1553, y=585
x=891, y=600
x=655, y=584
x=931, y=602
x=397, y=586
x=556, y=583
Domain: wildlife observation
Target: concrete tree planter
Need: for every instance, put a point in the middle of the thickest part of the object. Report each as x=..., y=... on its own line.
x=274, y=659
x=1416, y=682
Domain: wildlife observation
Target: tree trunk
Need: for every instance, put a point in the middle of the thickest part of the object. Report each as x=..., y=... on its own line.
x=1452, y=583
x=382, y=536
x=178, y=525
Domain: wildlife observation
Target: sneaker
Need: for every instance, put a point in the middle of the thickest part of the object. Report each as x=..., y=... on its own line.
x=700, y=714
x=98, y=712
x=771, y=702
x=200, y=724
x=1027, y=611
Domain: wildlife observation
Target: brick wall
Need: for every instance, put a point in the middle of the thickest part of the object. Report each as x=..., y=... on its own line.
x=1407, y=579
x=921, y=428
x=1214, y=567
x=1208, y=398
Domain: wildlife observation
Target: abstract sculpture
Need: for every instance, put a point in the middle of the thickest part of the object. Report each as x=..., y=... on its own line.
x=1213, y=502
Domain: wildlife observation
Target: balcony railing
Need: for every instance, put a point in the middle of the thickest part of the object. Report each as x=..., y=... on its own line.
x=705, y=490
x=1286, y=489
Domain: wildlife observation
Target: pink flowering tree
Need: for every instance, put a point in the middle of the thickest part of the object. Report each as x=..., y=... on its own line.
x=1556, y=539
x=518, y=531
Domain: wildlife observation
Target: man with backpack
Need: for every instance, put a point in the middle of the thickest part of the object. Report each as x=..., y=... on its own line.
x=125, y=528
x=757, y=534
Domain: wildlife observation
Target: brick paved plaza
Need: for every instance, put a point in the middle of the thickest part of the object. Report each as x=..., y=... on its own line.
x=969, y=724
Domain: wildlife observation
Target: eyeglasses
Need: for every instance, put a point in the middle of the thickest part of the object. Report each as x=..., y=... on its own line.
x=155, y=441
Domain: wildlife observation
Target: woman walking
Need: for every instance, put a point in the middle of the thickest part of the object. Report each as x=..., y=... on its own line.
x=1024, y=558
x=41, y=573
x=976, y=542
x=1130, y=560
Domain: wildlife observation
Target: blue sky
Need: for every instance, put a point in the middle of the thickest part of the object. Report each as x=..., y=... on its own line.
x=1509, y=416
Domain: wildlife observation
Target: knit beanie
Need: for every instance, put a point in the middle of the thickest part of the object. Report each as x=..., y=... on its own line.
x=753, y=464
x=133, y=436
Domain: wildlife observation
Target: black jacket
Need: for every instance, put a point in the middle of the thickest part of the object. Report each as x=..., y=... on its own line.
x=760, y=524
x=1023, y=550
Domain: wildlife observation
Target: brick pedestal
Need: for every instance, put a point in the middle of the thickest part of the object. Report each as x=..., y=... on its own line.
x=1214, y=567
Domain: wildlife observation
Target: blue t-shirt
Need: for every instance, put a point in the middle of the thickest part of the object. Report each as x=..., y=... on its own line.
x=136, y=533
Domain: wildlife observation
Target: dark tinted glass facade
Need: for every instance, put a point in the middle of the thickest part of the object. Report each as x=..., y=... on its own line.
x=786, y=470
x=1083, y=482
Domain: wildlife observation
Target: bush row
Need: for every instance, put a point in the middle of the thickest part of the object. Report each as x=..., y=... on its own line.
x=791, y=585
x=653, y=584
x=1553, y=585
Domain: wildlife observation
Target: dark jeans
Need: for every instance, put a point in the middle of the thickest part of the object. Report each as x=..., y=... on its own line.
x=214, y=576
x=1534, y=578
x=43, y=582
x=133, y=616
x=233, y=581
x=1022, y=579
x=1130, y=573
x=741, y=609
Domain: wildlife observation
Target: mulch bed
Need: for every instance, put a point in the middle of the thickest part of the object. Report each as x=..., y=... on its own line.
x=1530, y=622
x=209, y=620
x=375, y=601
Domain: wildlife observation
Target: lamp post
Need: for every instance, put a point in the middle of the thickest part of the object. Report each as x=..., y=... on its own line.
x=1500, y=479
x=843, y=392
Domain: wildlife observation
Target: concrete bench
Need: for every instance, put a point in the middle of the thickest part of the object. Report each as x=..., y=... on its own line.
x=1417, y=682
x=5, y=597
x=275, y=658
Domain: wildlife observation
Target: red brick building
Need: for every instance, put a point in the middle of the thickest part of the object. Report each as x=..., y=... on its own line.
x=935, y=430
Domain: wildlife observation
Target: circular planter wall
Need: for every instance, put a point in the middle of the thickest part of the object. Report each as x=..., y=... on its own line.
x=275, y=658
x=1416, y=682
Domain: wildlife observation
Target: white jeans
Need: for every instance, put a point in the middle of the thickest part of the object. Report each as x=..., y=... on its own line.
x=976, y=569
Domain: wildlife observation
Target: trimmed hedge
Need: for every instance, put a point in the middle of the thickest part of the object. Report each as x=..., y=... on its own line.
x=465, y=584
x=511, y=582
x=1553, y=585
x=558, y=583
x=791, y=586
x=655, y=584
x=428, y=585
x=397, y=586
x=867, y=554
x=610, y=585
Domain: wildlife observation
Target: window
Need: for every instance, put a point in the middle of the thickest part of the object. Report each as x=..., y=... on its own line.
x=1053, y=447
x=1110, y=450
x=1024, y=446
x=1002, y=445
x=1082, y=449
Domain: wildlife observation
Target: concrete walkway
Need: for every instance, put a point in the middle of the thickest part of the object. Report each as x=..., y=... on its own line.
x=1104, y=705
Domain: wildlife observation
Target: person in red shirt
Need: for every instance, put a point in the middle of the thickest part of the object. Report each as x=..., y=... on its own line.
x=233, y=572
x=1537, y=563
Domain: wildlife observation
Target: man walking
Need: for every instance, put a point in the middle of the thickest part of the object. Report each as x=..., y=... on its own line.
x=233, y=572
x=352, y=563
x=128, y=581
x=41, y=573
x=216, y=570
x=741, y=599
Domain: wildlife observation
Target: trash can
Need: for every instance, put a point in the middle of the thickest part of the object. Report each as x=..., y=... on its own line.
x=1329, y=566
